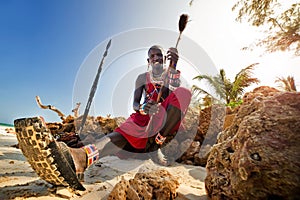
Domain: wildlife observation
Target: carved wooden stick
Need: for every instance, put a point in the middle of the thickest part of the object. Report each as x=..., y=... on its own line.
x=38, y=100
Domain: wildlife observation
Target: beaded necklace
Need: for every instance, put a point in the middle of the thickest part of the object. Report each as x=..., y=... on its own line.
x=157, y=83
x=157, y=80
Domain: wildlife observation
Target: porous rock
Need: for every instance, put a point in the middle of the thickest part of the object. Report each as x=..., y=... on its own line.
x=258, y=157
x=158, y=184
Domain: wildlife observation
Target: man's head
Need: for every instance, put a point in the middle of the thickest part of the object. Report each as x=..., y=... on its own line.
x=156, y=57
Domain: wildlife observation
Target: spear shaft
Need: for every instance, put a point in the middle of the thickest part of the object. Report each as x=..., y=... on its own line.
x=93, y=89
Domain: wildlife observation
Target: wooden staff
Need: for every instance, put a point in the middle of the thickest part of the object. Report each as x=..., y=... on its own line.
x=183, y=20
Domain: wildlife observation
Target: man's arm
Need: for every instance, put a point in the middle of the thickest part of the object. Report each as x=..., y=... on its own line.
x=139, y=87
x=173, y=74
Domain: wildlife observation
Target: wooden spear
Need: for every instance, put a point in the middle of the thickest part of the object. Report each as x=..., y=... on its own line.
x=93, y=89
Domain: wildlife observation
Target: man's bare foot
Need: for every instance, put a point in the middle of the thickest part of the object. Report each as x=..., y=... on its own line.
x=80, y=160
x=159, y=158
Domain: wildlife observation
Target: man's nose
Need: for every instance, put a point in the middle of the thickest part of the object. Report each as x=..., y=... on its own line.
x=156, y=57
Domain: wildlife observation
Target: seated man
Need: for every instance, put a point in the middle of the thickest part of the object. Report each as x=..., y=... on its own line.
x=160, y=114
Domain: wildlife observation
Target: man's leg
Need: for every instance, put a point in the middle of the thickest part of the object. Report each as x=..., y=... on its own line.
x=107, y=145
x=110, y=144
x=174, y=116
x=176, y=105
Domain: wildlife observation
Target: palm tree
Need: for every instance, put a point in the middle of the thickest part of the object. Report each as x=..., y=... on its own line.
x=287, y=84
x=226, y=90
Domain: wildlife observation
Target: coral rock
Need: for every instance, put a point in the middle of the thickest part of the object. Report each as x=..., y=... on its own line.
x=159, y=184
x=258, y=157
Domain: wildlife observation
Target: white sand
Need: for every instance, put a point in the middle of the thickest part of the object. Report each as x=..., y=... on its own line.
x=19, y=181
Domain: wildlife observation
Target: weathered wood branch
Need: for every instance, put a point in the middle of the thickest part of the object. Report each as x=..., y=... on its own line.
x=38, y=100
x=75, y=110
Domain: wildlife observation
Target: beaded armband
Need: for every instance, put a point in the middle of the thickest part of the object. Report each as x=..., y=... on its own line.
x=92, y=153
x=174, y=80
x=174, y=75
x=142, y=110
x=159, y=139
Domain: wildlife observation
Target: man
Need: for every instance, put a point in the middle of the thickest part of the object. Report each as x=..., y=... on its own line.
x=163, y=108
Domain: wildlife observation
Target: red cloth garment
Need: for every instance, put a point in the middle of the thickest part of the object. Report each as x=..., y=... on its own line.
x=135, y=127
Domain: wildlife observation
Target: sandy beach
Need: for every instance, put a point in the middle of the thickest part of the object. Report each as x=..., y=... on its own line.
x=19, y=181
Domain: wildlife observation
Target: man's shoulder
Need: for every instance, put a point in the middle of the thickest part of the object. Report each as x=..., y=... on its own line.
x=142, y=75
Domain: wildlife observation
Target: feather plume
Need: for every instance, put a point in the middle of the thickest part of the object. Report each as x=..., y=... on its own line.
x=182, y=22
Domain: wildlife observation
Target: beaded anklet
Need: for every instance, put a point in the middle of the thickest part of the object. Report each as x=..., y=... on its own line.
x=159, y=139
x=92, y=153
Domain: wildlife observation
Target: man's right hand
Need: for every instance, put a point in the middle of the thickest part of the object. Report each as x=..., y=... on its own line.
x=172, y=55
x=151, y=107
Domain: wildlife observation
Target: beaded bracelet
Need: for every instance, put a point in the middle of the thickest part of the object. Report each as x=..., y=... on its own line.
x=172, y=88
x=174, y=75
x=174, y=82
x=174, y=78
x=92, y=153
x=159, y=139
x=142, y=109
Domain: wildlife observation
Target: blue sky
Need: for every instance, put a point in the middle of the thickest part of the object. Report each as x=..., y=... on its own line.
x=44, y=44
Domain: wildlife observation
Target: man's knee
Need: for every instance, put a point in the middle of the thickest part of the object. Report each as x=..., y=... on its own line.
x=117, y=138
x=183, y=92
x=183, y=96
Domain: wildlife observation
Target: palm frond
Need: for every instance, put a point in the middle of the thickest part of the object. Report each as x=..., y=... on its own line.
x=226, y=90
x=287, y=84
x=244, y=79
x=197, y=90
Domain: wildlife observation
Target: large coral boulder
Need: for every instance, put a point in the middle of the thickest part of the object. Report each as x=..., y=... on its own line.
x=258, y=156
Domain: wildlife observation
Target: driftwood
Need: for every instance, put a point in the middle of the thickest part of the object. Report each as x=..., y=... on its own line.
x=75, y=110
x=38, y=100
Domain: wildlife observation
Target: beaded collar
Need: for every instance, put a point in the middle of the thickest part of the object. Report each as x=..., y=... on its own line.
x=159, y=79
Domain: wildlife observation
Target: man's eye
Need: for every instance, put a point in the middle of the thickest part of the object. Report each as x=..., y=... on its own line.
x=158, y=55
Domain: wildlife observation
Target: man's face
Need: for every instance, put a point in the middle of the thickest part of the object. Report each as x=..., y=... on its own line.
x=156, y=58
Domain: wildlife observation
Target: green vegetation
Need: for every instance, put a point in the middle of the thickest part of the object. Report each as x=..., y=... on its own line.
x=227, y=92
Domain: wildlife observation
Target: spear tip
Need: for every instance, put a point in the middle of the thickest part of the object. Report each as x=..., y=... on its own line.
x=108, y=44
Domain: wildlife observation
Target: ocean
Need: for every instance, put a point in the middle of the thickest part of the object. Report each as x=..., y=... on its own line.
x=4, y=126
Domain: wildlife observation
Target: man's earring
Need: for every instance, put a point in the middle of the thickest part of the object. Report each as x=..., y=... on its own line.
x=148, y=67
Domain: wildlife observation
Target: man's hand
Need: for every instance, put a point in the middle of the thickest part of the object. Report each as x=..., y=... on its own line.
x=172, y=55
x=151, y=107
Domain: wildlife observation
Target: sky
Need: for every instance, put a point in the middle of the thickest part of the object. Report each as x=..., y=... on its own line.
x=53, y=48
